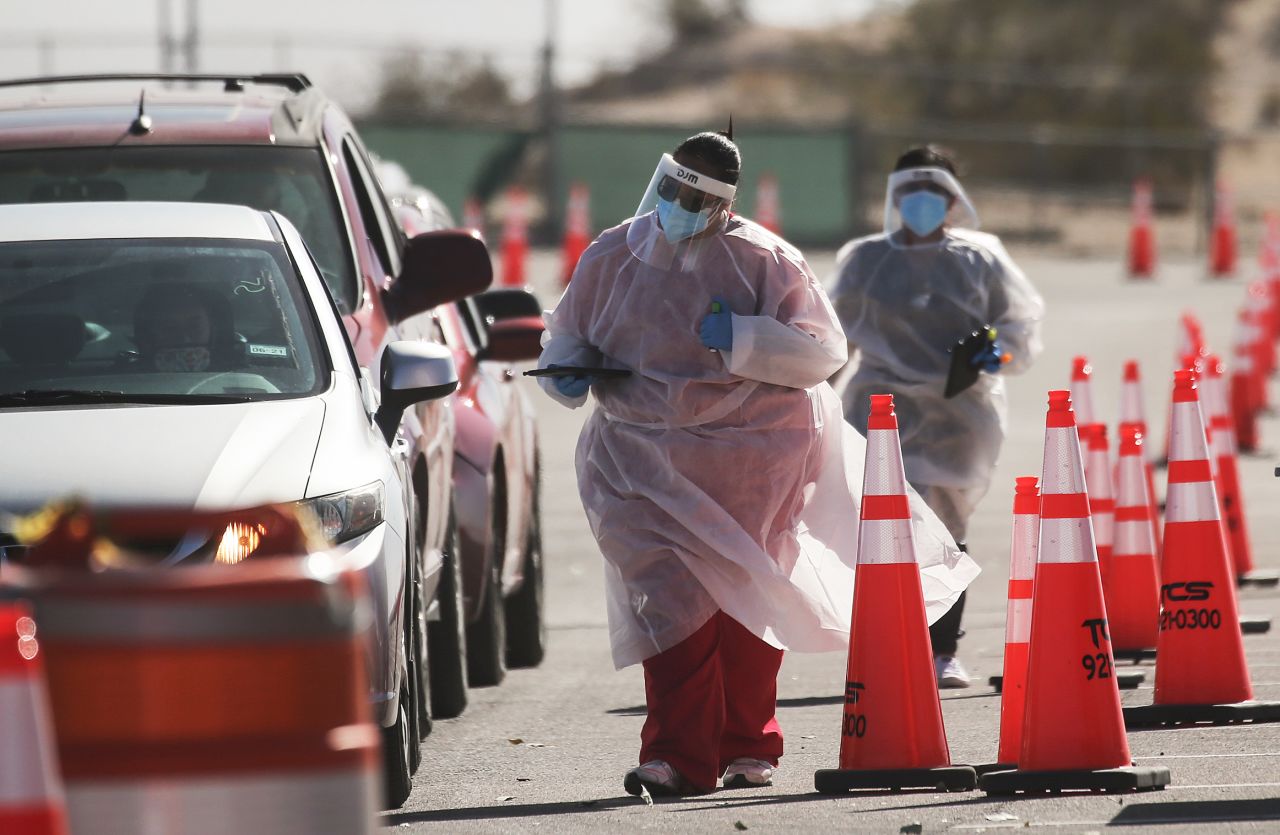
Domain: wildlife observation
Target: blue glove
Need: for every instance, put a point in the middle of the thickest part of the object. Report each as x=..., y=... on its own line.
x=575, y=386
x=990, y=358
x=717, y=328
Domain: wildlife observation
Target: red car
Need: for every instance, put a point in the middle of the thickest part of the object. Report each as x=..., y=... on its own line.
x=275, y=142
x=495, y=459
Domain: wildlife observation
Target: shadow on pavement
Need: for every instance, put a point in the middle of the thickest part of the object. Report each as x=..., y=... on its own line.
x=524, y=810
x=1198, y=811
x=805, y=701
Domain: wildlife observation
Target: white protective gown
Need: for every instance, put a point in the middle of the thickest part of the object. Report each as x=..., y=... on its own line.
x=721, y=480
x=904, y=307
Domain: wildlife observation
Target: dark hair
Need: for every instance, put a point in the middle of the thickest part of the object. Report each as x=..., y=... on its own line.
x=717, y=151
x=925, y=156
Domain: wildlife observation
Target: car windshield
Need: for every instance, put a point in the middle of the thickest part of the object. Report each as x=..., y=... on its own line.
x=292, y=181
x=153, y=321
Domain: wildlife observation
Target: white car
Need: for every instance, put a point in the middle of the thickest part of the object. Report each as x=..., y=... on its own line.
x=190, y=356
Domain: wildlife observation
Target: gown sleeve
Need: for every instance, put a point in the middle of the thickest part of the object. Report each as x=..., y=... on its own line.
x=564, y=341
x=801, y=344
x=1017, y=311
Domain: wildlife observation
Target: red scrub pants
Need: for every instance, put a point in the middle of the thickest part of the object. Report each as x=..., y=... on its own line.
x=712, y=698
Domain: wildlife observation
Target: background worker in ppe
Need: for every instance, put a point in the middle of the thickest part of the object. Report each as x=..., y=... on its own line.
x=905, y=297
x=719, y=479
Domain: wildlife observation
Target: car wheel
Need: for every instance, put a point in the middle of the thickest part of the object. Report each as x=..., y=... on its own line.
x=487, y=636
x=397, y=768
x=526, y=626
x=447, y=637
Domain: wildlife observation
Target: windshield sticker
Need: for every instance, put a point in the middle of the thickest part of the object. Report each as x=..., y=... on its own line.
x=269, y=350
x=256, y=285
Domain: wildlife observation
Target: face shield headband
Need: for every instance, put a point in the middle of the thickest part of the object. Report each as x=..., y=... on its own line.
x=922, y=188
x=677, y=186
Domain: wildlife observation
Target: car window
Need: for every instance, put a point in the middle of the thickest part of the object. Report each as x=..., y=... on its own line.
x=155, y=320
x=382, y=231
x=293, y=181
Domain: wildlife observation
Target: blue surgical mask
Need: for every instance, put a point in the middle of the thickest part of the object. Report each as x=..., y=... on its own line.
x=679, y=223
x=923, y=211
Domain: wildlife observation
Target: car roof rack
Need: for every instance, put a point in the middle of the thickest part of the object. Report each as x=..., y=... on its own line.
x=293, y=82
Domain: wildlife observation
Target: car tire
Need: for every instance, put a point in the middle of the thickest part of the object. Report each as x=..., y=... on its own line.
x=397, y=769
x=413, y=675
x=487, y=636
x=526, y=622
x=447, y=637
x=418, y=637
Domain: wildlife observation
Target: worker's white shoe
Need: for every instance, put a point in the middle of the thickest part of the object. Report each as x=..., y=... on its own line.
x=747, y=772
x=657, y=776
x=950, y=672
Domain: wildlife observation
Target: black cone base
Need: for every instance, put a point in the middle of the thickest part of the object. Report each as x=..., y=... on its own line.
x=954, y=778
x=1255, y=624
x=1129, y=779
x=1156, y=716
x=1125, y=679
x=987, y=768
x=1259, y=578
x=1134, y=655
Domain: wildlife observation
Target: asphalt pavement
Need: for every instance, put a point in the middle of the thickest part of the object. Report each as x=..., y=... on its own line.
x=547, y=750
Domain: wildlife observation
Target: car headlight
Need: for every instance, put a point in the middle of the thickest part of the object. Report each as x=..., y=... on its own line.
x=346, y=515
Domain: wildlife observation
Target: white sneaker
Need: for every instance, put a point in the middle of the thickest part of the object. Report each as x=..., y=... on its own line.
x=746, y=773
x=950, y=672
x=657, y=776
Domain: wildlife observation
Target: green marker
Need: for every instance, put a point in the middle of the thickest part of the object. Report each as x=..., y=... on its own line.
x=715, y=308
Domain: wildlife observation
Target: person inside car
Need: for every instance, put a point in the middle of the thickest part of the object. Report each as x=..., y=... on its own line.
x=184, y=327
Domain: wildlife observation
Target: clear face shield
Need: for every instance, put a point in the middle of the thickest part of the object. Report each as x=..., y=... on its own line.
x=925, y=199
x=681, y=212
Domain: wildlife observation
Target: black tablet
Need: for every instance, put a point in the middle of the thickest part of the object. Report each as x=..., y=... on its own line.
x=579, y=371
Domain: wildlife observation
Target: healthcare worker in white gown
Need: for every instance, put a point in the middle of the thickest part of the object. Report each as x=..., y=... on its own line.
x=719, y=478
x=905, y=297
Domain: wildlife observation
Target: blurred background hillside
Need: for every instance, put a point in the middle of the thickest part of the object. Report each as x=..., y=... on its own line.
x=1053, y=108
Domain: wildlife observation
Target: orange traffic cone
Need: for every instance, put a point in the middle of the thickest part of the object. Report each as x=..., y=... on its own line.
x=31, y=796
x=1133, y=414
x=1222, y=444
x=1082, y=390
x=1252, y=335
x=515, y=238
x=1269, y=251
x=1069, y=670
x=1201, y=674
x=1131, y=586
x=1017, y=627
x=1099, y=484
x=1222, y=240
x=1243, y=392
x=1269, y=260
x=1017, y=620
x=1190, y=340
x=1258, y=301
x=768, y=214
x=577, y=229
x=1142, y=244
x=892, y=735
x=473, y=215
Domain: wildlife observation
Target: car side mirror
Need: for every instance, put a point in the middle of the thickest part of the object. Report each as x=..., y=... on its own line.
x=412, y=371
x=514, y=340
x=507, y=303
x=439, y=267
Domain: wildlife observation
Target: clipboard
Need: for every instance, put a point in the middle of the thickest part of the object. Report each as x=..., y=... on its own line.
x=579, y=371
x=963, y=373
